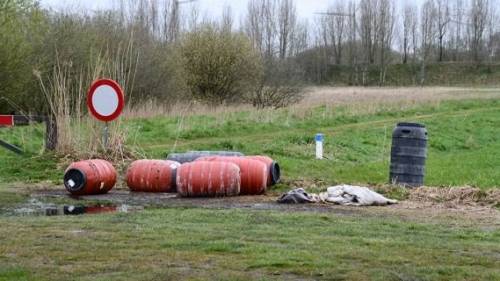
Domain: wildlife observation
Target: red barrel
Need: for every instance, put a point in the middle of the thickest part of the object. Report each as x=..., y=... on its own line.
x=152, y=176
x=254, y=173
x=272, y=166
x=208, y=179
x=90, y=177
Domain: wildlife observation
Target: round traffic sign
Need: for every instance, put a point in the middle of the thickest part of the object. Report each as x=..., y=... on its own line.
x=105, y=100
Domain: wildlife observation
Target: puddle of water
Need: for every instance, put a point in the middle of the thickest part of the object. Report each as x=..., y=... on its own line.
x=35, y=207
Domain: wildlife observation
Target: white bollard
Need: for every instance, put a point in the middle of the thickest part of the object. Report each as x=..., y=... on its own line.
x=319, y=146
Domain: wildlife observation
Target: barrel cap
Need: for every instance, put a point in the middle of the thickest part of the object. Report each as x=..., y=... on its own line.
x=319, y=137
x=407, y=124
x=410, y=130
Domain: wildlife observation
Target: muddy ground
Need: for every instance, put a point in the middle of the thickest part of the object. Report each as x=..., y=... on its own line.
x=465, y=205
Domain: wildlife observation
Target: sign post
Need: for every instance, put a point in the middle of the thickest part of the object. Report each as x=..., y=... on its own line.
x=319, y=145
x=105, y=101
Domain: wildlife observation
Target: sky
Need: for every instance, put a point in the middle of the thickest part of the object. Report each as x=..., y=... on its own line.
x=212, y=8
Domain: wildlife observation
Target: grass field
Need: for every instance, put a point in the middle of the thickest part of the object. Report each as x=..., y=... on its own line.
x=337, y=244
x=463, y=149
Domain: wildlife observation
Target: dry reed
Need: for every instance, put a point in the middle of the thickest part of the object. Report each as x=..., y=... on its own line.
x=79, y=135
x=354, y=100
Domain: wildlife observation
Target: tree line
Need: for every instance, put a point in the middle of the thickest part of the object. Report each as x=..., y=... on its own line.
x=165, y=50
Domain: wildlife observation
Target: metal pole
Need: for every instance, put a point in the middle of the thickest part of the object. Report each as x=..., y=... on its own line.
x=105, y=136
x=11, y=147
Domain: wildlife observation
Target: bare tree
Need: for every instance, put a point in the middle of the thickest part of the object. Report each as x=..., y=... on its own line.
x=337, y=26
x=174, y=22
x=409, y=30
x=194, y=18
x=457, y=19
x=414, y=34
x=386, y=18
x=428, y=30
x=493, y=27
x=287, y=19
x=300, y=40
x=254, y=26
x=478, y=15
x=443, y=19
x=368, y=29
x=269, y=24
x=227, y=20
x=352, y=28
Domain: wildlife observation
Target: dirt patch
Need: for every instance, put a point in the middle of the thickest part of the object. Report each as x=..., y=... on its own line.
x=463, y=205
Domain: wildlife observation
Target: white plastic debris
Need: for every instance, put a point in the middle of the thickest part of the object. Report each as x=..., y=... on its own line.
x=354, y=196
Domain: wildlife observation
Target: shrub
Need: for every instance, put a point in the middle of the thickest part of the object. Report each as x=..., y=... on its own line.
x=221, y=67
x=279, y=85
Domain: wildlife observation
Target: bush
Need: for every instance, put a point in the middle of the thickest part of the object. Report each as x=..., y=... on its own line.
x=221, y=67
x=279, y=85
x=21, y=23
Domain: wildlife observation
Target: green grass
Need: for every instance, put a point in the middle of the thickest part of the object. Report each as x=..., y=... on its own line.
x=173, y=244
x=463, y=148
x=201, y=244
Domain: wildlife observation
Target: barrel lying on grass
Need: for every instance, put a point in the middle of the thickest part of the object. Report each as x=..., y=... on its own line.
x=191, y=156
x=254, y=173
x=152, y=176
x=90, y=177
x=408, y=154
x=208, y=179
x=273, y=168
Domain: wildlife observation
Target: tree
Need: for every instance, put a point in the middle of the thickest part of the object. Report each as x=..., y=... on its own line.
x=478, y=16
x=368, y=29
x=386, y=18
x=287, y=20
x=428, y=30
x=443, y=19
x=409, y=30
x=279, y=86
x=334, y=26
x=221, y=67
x=457, y=23
x=21, y=28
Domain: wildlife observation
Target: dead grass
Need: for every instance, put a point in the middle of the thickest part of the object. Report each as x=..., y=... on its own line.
x=456, y=196
x=356, y=99
x=316, y=96
x=65, y=89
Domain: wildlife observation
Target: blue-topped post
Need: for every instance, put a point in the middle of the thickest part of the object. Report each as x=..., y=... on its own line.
x=319, y=145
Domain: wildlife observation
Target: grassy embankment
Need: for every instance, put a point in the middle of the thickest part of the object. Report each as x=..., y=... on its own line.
x=463, y=148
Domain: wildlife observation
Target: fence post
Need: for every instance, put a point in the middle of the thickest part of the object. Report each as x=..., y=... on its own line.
x=51, y=133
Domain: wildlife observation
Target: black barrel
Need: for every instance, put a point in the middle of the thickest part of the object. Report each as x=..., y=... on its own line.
x=190, y=156
x=408, y=154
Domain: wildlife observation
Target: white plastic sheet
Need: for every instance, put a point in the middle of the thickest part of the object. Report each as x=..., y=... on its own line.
x=354, y=196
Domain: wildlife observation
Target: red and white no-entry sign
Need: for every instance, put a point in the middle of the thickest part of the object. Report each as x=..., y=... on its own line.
x=105, y=100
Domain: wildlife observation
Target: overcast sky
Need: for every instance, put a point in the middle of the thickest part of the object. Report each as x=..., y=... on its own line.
x=212, y=8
